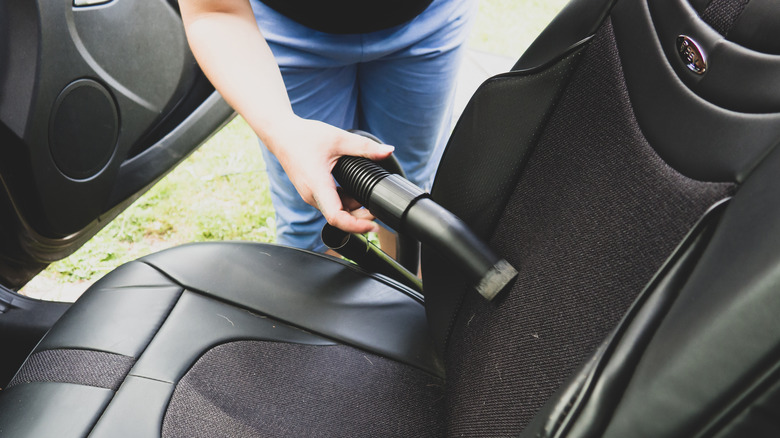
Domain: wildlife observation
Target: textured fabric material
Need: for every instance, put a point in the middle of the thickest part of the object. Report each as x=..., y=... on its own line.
x=505, y=118
x=257, y=388
x=82, y=367
x=594, y=215
x=722, y=14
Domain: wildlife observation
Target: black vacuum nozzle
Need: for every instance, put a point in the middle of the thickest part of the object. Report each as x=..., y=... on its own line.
x=358, y=249
x=409, y=210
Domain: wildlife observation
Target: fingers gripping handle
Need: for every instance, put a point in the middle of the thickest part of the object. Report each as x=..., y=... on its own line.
x=409, y=210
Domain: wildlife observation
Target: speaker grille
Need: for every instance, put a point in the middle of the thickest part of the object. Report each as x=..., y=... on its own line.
x=83, y=129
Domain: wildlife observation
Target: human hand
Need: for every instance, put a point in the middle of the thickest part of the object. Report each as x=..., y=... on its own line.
x=237, y=60
x=308, y=151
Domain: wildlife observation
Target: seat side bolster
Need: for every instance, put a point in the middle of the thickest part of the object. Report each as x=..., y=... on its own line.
x=119, y=314
x=48, y=409
x=717, y=348
x=316, y=293
x=584, y=406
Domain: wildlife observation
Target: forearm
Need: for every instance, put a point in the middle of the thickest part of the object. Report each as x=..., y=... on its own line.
x=231, y=51
x=224, y=38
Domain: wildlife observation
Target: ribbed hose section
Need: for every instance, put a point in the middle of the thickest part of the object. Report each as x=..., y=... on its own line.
x=409, y=210
x=358, y=176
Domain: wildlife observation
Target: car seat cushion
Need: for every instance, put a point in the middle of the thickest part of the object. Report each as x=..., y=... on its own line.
x=184, y=342
x=257, y=388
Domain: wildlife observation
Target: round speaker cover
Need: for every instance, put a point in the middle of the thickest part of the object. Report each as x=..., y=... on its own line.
x=83, y=129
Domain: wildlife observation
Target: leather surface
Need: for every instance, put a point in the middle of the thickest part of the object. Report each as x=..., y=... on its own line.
x=23, y=324
x=695, y=136
x=351, y=307
x=700, y=5
x=136, y=410
x=721, y=337
x=757, y=420
x=133, y=302
x=62, y=410
x=199, y=323
x=168, y=309
x=195, y=325
x=737, y=78
x=758, y=28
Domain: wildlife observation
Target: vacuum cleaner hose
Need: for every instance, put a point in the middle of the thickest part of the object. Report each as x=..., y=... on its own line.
x=409, y=210
x=358, y=249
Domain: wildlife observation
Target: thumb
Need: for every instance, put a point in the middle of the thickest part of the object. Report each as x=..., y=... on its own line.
x=366, y=148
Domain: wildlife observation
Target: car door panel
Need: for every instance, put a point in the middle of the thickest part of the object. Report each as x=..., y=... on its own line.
x=98, y=102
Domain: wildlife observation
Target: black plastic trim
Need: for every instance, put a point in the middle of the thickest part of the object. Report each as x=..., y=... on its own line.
x=695, y=137
x=23, y=322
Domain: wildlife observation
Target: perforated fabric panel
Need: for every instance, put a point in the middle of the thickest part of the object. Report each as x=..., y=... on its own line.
x=594, y=215
x=82, y=367
x=481, y=166
x=722, y=14
x=257, y=388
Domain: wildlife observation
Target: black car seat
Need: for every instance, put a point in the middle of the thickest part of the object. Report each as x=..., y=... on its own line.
x=626, y=167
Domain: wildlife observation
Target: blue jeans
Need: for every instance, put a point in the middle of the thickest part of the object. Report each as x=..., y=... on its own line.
x=397, y=84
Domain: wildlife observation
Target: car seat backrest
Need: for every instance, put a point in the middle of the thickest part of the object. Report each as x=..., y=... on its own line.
x=585, y=172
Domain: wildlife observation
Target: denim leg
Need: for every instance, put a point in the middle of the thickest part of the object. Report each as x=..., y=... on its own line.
x=406, y=92
x=412, y=116
x=328, y=95
x=406, y=97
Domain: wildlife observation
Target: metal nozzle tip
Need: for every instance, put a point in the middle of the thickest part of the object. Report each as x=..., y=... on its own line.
x=501, y=274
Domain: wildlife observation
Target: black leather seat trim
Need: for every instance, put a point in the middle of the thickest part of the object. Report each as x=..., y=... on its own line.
x=583, y=407
x=196, y=324
x=133, y=313
x=352, y=307
x=753, y=420
x=47, y=409
x=136, y=411
x=733, y=71
x=720, y=340
x=505, y=117
x=678, y=122
x=758, y=28
x=199, y=323
x=140, y=311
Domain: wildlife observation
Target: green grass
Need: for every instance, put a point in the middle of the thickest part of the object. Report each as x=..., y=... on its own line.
x=221, y=191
